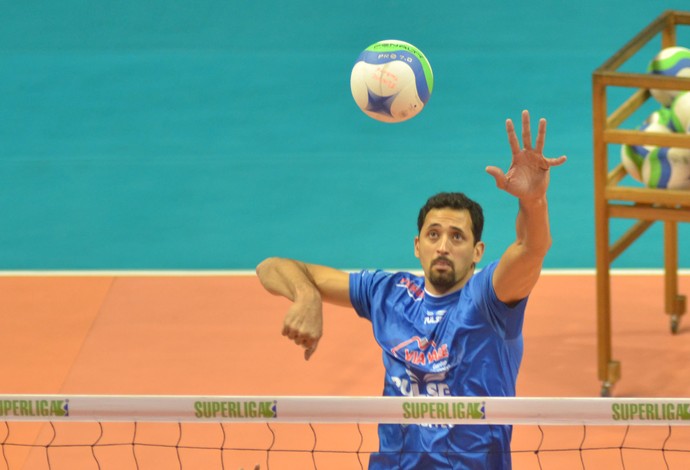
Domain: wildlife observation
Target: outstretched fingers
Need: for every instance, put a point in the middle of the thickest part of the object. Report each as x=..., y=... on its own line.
x=527, y=138
x=526, y=131
x=541, y=136
x=556, y=161
x=498, y=175
x=515, y=146
x=527, y=176
x=512, y=137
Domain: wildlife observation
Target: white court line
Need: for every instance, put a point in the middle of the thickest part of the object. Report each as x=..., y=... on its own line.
x=243, y=272
x=126, y=273
x=614, y=272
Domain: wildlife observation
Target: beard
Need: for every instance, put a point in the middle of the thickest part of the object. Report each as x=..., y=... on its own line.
x=442, y=280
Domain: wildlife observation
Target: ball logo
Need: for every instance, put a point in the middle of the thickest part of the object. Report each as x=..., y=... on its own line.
x=391, y=81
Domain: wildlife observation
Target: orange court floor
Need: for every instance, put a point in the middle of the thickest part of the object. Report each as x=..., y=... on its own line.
x=219, y=334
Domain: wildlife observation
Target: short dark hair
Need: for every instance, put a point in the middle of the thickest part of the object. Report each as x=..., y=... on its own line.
x=457, y=201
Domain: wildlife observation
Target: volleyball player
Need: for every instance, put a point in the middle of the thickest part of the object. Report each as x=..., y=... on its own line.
x=453, y=332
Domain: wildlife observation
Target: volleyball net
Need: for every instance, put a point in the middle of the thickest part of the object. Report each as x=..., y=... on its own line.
x=207, y=432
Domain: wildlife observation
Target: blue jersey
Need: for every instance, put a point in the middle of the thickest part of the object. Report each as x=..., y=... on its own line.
x=467, y=343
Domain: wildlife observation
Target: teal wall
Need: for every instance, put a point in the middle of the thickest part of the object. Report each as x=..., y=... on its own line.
x=211, y=134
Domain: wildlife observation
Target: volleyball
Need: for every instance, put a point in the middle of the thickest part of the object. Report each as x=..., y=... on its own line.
x=681, y=111
x=633, y=156
x=667, y=168
x=391, y=81
x=673, y=62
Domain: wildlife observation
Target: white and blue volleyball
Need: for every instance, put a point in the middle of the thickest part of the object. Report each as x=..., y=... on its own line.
x=672, y=62
x=667, y=168
x=391, y=81
x=681, y=111
x=633, y=156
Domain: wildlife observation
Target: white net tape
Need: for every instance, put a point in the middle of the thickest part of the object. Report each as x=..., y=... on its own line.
x=313, y=409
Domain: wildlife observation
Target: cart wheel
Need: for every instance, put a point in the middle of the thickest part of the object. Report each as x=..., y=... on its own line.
x=675, y=322
x=606, y=389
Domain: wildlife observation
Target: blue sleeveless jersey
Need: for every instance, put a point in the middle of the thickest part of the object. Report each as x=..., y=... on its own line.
x=467, y=343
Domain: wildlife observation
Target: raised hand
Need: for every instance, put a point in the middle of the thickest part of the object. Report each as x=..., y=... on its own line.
x=528, y=175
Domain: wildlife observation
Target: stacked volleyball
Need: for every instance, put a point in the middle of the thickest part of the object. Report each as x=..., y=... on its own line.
x=391, y=81
x=661, y=167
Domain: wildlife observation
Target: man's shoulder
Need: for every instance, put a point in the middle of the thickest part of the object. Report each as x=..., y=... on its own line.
x=484, y=272
x=384, y=280
x=389, y=275
x=480, y=282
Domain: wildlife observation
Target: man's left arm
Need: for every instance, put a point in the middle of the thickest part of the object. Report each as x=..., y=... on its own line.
x=520, y=265
x=527, y=179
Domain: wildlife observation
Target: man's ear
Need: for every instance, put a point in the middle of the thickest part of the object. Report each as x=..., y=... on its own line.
x=416, y=247
x=478, y=252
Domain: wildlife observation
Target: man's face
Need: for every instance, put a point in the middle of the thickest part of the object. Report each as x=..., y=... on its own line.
x=446, y=249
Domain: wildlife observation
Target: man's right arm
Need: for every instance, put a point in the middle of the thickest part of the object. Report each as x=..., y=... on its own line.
x=307, y=286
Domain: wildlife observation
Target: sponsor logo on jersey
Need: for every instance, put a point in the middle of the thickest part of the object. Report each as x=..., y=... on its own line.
x=420, y=351
x=416, y=384
x=413, y=290
x=433, y=317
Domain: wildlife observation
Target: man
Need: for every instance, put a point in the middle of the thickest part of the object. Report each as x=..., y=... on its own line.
x=451, y=332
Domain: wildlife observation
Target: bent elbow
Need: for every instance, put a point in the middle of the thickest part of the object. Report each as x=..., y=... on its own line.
x=533, y=250
x=265, y=265
x=548, y=245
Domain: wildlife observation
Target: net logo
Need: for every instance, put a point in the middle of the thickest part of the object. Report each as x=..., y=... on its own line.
x=236, y=409
x=38, y=408
x=443, y=410
x=650, y=411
